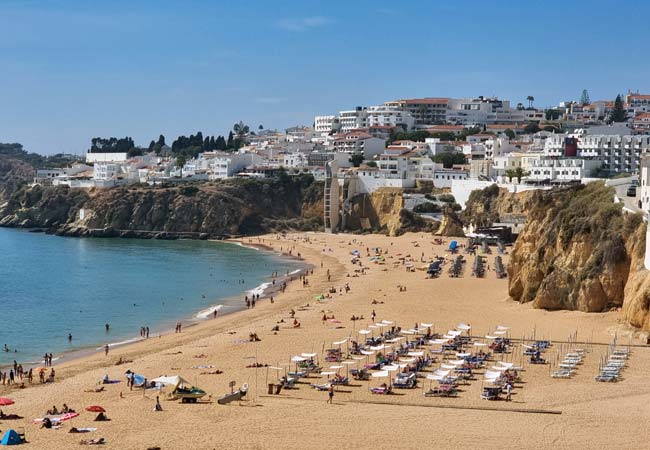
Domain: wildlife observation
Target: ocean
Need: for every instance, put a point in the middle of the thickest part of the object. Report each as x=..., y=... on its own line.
x=53, y=286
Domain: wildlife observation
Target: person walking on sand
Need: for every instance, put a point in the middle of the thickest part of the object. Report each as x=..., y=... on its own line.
x=330, y=395
x=508, y=392
x=106, y=350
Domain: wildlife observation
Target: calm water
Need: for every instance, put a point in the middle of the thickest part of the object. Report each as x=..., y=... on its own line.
x=51, y=286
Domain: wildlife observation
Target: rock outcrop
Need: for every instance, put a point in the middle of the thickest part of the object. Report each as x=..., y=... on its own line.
x=229, y=207
x=383, y=211
x=451, y=225
x=493, y=204
x=14, y=173
x=576, y=251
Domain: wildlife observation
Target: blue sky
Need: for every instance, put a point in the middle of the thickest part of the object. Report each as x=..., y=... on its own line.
x=71, y=70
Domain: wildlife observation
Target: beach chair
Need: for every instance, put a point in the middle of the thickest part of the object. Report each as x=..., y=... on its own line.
x=491, y=393
x=321, y=387
x=382, y=390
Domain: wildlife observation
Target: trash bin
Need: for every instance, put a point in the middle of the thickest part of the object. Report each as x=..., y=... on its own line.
x=270, y=392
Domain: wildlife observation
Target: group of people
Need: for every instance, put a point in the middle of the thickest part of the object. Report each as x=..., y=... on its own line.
x=250, y=303
x=179, y=327
x=65, y=409
x=47, y=360
x=144, y=332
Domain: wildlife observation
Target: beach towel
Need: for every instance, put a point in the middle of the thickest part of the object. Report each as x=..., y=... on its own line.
x=59, y=418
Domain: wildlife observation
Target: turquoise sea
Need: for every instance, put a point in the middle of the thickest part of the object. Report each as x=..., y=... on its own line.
x=54, y=286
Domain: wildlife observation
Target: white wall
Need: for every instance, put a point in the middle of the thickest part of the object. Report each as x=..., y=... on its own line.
x=105, y=157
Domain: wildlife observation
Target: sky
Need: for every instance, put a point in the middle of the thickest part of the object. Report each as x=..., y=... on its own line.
x=71, y=70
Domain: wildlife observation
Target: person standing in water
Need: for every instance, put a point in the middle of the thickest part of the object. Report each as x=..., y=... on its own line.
x=69, y=337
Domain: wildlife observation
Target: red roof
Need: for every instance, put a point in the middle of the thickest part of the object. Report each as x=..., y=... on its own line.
x=446, y=128
x=640, y=96
x=642, y=116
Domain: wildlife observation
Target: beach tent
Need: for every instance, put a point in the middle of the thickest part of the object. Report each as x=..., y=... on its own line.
x=11, y=437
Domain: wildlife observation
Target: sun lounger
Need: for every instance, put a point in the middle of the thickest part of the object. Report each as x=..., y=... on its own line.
x=321, y=387
x=381, y=390
x=442, y=391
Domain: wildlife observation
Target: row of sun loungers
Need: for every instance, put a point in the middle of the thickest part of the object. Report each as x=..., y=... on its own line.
x=568, y=366
x=456, y=267
x=478, y=268
x=498, y=267
x=616, y=362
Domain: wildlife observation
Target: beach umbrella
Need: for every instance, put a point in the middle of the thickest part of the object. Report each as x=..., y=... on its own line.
x=4, y=401
x=95, y=408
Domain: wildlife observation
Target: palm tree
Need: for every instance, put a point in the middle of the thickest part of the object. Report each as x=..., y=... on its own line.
x=520, y=173
x=180, y=163
x=530, y=99
x=240, y=129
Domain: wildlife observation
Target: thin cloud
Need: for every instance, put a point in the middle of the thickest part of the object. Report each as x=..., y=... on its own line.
x=303, y=23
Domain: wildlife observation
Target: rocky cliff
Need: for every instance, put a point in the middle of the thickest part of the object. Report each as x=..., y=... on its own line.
x=229, y=207
x=14, y=173
x=577, y=251
x=383, y=211
x=492, y=204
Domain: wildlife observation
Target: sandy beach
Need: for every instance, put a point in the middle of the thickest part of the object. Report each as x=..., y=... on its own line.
x=545, y=412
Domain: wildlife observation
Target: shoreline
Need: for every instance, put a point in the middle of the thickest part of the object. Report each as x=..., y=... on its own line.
x=188, y=320
x=215, y=353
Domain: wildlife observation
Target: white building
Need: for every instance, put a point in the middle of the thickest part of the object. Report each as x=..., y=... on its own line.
x=353, y=119
x=425, y=111
x=325, y=124
x=296, y=160
x=105, y=171
x=443, y=178
x=619, y=154
x=388, y=116
x=359, y=142
x=105, y=157
x=488, y=110
x=45, y=176
x=562, y=170
x=638, y=103
x=228, y=165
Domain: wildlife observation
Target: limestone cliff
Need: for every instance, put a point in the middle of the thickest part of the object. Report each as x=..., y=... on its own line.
x=636, y=304
x=575, y=251
x=494, y=204
x=383, y=210
x=228, y=207
x=451, y=225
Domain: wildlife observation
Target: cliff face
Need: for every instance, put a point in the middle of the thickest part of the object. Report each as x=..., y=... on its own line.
x=493, y=204
x=577, y=251
x=211, y=209
x=14, y=173
x=384, y=210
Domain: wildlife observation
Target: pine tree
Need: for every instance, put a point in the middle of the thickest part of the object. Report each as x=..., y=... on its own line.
x=229, y=143
x=618, y=114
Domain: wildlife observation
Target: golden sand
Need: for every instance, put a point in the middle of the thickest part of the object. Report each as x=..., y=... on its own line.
x=593, y=415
